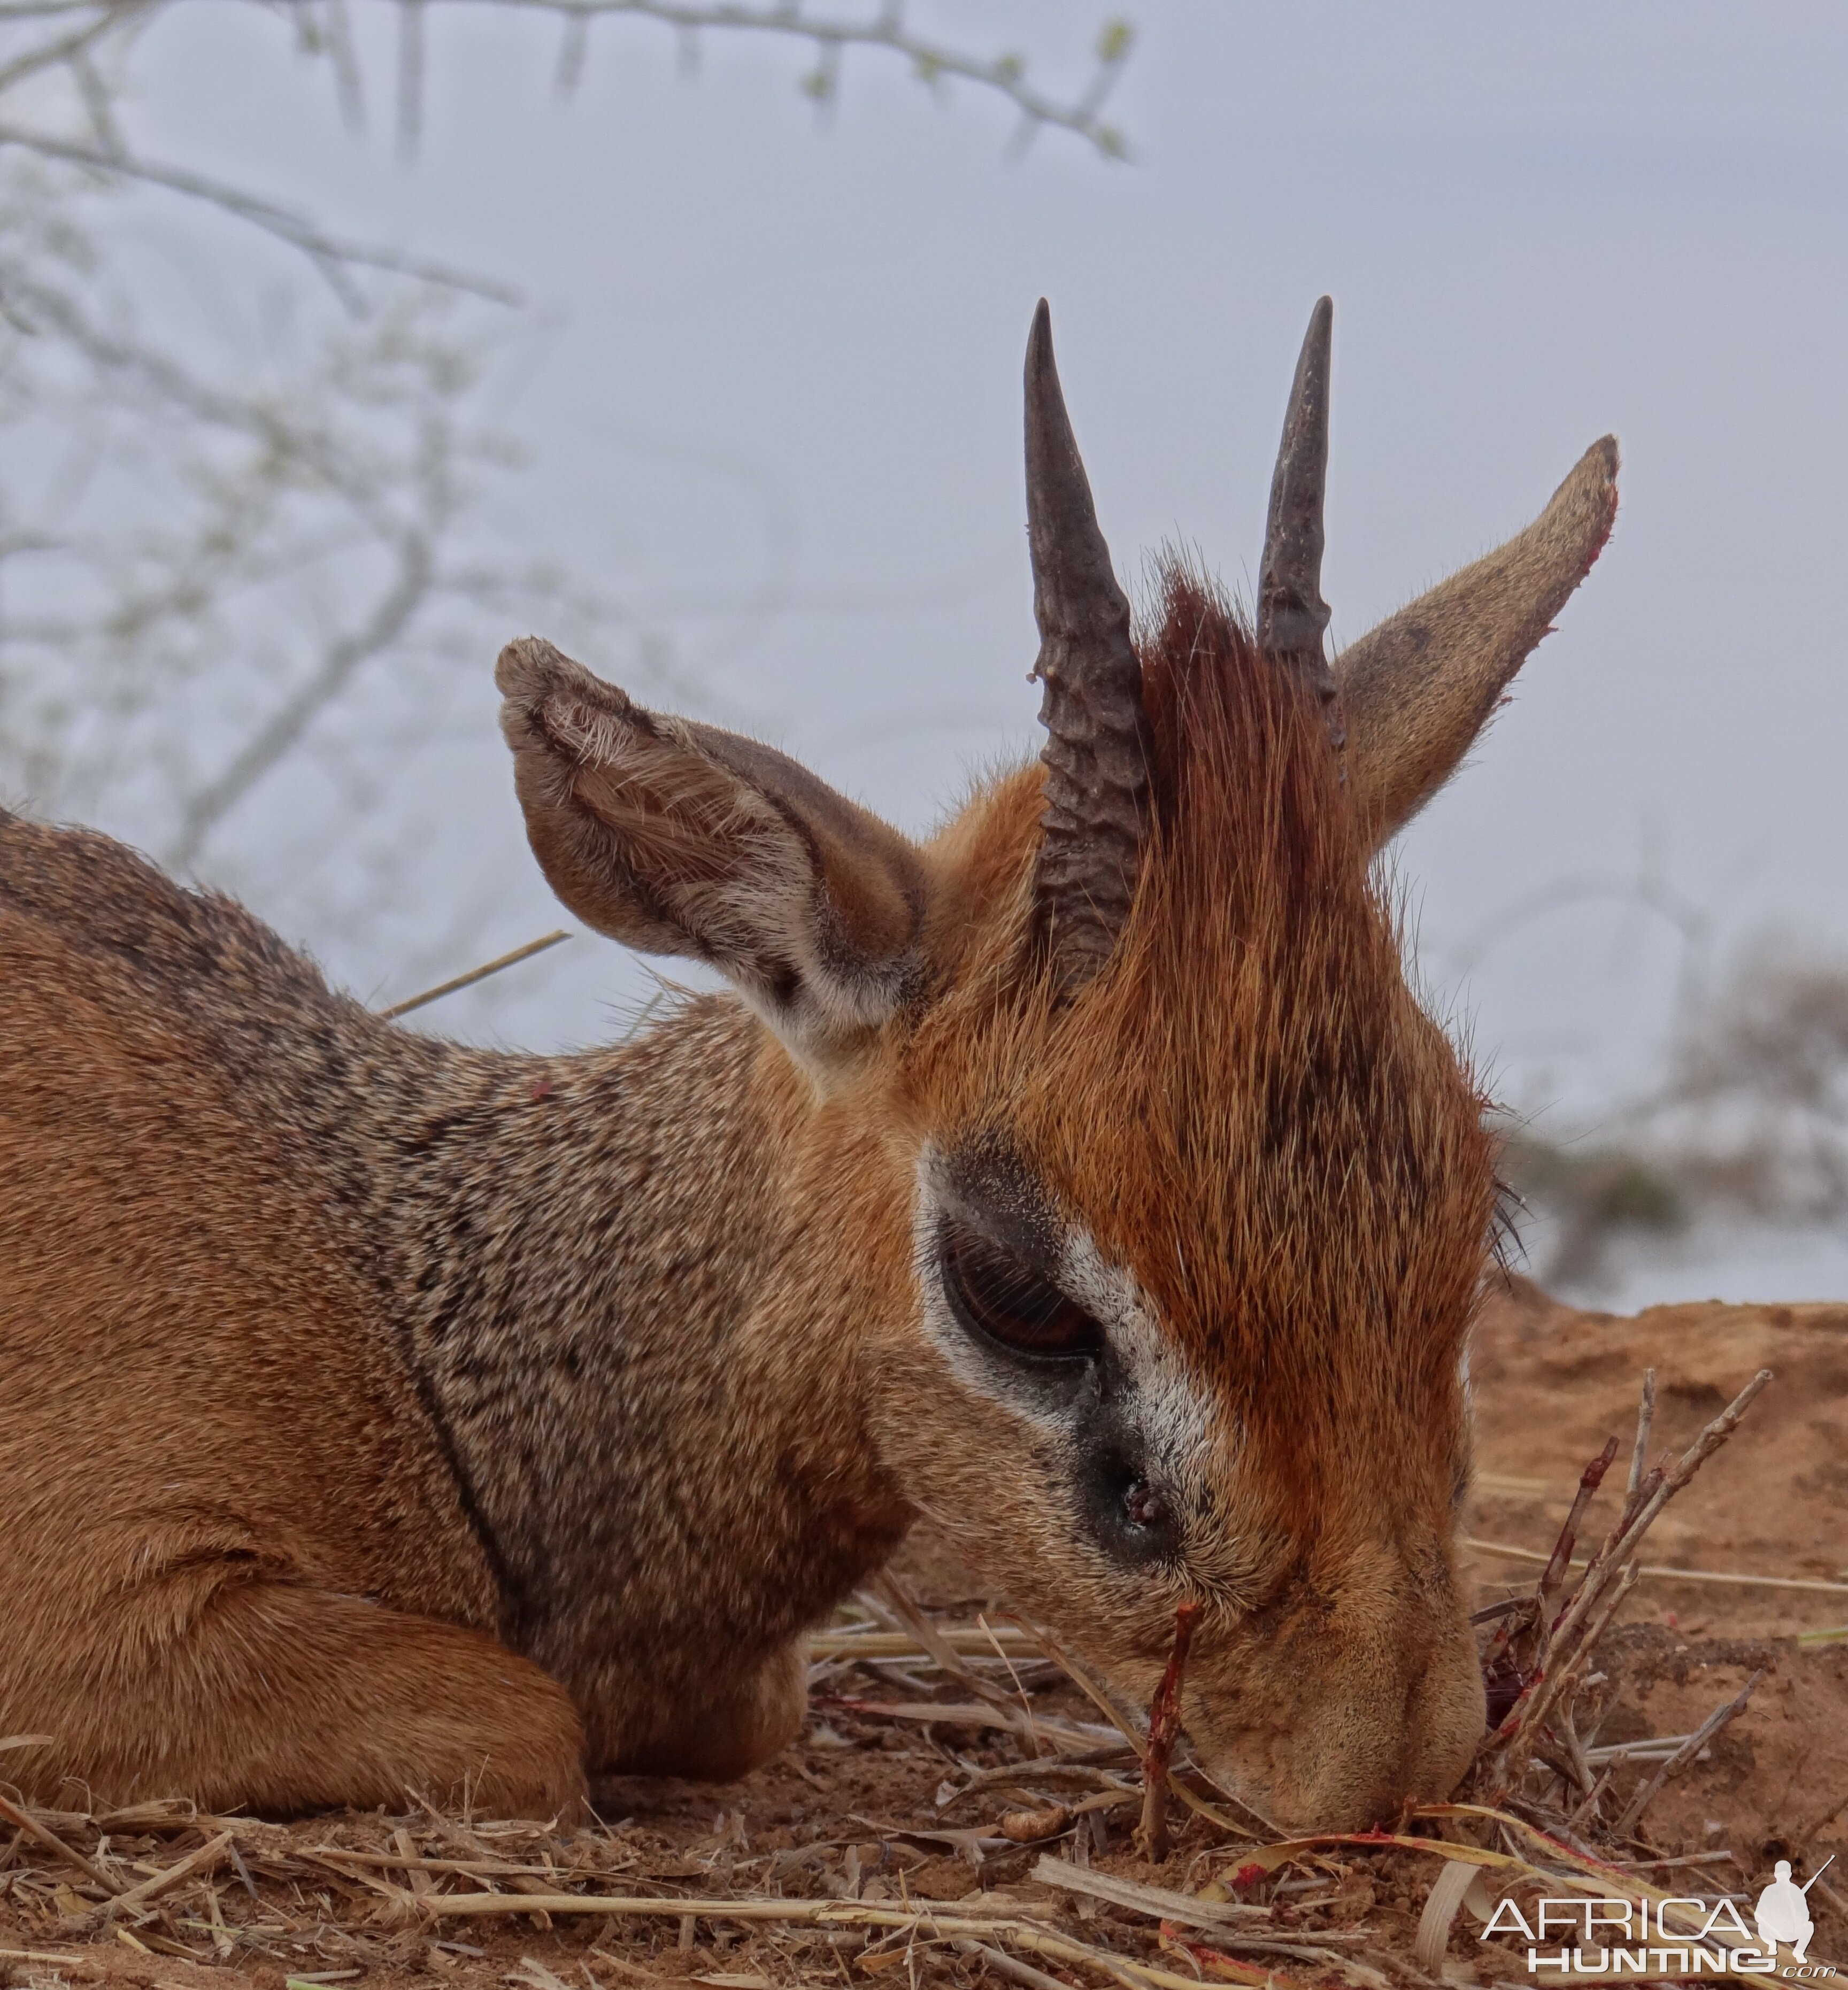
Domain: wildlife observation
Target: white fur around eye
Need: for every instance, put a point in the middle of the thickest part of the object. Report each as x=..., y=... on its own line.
x=1161, y=1401
x=1165, y=1403
x=980, y=1373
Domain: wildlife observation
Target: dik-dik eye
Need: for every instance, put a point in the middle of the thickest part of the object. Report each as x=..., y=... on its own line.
x=998, y=1298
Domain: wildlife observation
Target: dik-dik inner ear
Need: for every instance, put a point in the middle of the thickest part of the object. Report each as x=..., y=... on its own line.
x=679, y=838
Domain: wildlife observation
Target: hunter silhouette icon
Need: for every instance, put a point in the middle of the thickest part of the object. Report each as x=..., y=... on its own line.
x=1783, y=1910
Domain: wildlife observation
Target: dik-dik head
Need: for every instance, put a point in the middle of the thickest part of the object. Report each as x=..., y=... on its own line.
x=1148, y=1204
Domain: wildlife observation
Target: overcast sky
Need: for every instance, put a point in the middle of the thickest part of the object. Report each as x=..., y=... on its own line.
x=769, y=378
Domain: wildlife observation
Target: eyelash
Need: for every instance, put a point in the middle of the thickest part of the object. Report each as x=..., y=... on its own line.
x=996, y=1297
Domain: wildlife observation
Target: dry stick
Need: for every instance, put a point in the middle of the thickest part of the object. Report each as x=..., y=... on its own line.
x=1571, y=1669
x=1541, y=1684
x=473, y=975
x=1646, y=1417
x=1646, y=1491
x=1553, y=1577
x=1227, y=1968
x=1517, y=1620
x=968, y=1641
x=1644, y=1479
x=1042, y=1773
x=1313, y=1950
x=1686, y=1858
x=1582, y=1777
x=487, y=1868
x=1009, y=1968
x=974, y=1713
x=1026, y=1705
x=1598, y=1625
x=1588, y=1811
x=932, y=1926
x=1516, y=1739
x=1691, y=1461
x=1646, y=1487
x=1128, y=1721
x=1164, y=1731
x=1216, y=1917
x=1656, y=1571
x=23, y=1821
x=1599, y=1577
x=204, y=1860
x=904, y=1605
x=1268, y=1832
x=1682, y=1756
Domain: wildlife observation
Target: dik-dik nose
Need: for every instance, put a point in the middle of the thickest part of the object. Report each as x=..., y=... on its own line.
x=1424, y=1752
x=1337, y=1725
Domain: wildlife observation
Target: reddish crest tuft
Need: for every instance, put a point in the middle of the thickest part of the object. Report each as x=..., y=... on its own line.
x=1248, y=1107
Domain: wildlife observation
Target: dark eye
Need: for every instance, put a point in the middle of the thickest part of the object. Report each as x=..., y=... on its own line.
x=996, y=1296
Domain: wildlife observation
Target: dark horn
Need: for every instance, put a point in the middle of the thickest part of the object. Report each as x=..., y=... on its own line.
x=1096, y=753
x=1293, y=617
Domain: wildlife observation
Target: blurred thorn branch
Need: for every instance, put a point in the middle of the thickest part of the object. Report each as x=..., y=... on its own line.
x=79, y=39
x=243, y=543
x=334, y=257
x=208, y=805
x=829, y=37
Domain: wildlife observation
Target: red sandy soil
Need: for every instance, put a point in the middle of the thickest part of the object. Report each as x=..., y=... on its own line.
x=1552, y=1384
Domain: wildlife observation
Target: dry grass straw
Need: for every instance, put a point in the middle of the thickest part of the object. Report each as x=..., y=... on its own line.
x=457, y=982
x=378, y=1892
x=1062, y=1901
x=1664, y=1572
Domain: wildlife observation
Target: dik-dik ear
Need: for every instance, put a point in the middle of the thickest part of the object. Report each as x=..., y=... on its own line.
x=675, y=837
x=1418, y=690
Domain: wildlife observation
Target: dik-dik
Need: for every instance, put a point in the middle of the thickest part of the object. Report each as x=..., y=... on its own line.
x=379, y=1415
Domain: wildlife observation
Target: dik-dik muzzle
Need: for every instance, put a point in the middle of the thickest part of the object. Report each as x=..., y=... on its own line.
x=1338, y=1706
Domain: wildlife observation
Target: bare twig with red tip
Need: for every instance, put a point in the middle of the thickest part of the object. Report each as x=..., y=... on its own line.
x=1560, y=1650
x=1648, y=1502
x=1553, y=1577
x=1164, y=1731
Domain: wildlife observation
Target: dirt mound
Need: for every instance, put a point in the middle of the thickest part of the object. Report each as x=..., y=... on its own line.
x=915, y=1783
x=1552, y=1384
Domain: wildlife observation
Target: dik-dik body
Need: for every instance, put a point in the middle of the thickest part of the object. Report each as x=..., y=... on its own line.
x=379, y=1415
